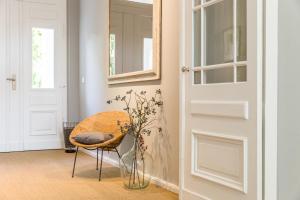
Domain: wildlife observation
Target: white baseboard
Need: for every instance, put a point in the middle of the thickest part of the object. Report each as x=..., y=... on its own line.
x=157, y=181
x=166, y=185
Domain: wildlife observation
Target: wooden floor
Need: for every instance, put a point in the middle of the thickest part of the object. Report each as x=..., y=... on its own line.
x=46, y=175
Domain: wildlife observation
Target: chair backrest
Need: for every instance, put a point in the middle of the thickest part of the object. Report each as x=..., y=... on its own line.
x=106, y=122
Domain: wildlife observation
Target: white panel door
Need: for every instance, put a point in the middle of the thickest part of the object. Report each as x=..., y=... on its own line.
x=44, y=64
x=221, y=140
x=32, y=74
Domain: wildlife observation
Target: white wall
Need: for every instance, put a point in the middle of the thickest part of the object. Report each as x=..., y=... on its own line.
x=93, y=88
x=95, y=91
x=289, y=99
x=73, y=59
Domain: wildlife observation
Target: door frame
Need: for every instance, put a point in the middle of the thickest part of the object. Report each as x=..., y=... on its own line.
x=270, y=103
x=269, y=26
x=3, y=64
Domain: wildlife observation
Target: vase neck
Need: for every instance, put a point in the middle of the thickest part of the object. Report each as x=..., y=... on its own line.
x=135, y=144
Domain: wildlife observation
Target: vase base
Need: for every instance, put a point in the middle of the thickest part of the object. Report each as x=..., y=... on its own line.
x=136, y=186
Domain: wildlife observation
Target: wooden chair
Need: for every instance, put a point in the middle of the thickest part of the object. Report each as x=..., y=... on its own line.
x=106, y=122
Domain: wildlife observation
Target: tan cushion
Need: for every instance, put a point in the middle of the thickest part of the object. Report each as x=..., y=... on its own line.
x=90, y=138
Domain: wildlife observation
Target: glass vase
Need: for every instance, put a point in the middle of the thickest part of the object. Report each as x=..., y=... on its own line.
x=136, y=166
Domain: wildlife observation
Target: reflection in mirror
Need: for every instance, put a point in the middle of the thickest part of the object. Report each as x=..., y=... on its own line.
x=130, y=36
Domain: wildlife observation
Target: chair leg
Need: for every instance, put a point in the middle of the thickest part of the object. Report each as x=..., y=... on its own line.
x=118, y=153
x=75, y=162
x=97, y=167
x=100, y=172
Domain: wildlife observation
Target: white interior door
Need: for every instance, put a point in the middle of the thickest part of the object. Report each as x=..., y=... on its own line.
x=44, y=62
x=34, y=102
x=221, y=141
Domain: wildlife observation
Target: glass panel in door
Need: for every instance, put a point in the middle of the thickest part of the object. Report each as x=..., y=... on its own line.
x=42, y=58
x=241, y=30
x=219, y=33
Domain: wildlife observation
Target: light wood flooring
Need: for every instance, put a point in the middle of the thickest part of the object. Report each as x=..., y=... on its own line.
x=46, y=175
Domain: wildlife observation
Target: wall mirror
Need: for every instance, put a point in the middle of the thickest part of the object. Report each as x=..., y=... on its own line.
x=134, y=40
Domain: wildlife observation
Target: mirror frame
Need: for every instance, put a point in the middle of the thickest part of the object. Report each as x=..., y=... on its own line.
x=147, y=75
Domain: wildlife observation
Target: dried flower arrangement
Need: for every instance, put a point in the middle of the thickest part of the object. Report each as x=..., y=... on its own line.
x=143, y=112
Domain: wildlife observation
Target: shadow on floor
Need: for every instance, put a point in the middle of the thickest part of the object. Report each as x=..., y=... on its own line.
x=107, y=172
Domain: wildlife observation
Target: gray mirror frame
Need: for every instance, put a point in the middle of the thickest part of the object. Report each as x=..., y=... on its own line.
x=155, y=72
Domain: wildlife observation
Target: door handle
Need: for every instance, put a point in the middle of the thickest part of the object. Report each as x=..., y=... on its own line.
x=185, y=69
x=13, y=80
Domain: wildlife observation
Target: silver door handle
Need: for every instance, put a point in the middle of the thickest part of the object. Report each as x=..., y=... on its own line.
x=11, y=79
x=185, y=69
